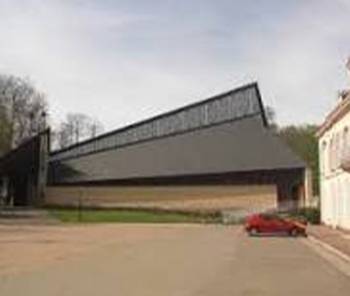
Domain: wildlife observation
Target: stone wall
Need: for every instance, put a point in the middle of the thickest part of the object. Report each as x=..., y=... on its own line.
x=166, y=197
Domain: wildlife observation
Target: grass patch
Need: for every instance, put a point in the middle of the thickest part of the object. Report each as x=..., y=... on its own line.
x=127, y=216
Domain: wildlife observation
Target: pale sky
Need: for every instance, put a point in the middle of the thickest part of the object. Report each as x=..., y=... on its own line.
x=123, y=61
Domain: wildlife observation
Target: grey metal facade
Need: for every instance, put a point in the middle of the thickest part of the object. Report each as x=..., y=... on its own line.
x=25, y=169
x=221, y=135
x=235, y=104
x=241, y=146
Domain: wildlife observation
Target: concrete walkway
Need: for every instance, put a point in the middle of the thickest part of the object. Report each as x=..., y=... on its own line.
x=25, y=216
x=338, y=239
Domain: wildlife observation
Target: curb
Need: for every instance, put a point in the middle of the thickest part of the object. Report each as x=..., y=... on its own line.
x=329, y=248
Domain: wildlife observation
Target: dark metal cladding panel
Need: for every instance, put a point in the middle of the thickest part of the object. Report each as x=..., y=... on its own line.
x=234, y=146
x=237, y=104
x=26, y=169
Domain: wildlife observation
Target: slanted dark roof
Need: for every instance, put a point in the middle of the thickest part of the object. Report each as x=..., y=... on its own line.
x=232, y=105
x=234, y=146
x=224, y=134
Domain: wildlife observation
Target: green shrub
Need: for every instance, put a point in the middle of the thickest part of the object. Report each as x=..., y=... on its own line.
x=311, y=215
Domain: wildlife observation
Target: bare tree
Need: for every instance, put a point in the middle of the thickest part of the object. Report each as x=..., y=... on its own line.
x=22, y=109
x=77, y=127
x=270, y=114
x=95, y=128
x=4, y=131
x=62, y=137
x=271, y=118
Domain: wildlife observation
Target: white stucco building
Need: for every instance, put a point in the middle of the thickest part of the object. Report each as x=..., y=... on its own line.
x=334, y=153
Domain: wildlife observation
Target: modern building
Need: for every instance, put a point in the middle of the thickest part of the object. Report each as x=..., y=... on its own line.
x=216, y=151
x=334, y=153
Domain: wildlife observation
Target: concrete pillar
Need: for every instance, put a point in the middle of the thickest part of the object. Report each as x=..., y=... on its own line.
x=308, y=191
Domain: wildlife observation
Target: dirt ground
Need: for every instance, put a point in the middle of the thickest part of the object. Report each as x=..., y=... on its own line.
x=28, y=248
x=159, y=259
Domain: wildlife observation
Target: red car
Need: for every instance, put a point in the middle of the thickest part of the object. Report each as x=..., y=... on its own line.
x=273, y=223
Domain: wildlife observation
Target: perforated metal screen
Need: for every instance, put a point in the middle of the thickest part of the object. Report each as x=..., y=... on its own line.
x=236, y=104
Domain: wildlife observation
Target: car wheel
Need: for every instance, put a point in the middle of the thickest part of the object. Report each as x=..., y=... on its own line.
x=294, y=232
x=253, y=231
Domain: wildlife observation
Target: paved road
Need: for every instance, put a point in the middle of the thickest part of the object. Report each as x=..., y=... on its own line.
x=209, y=260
